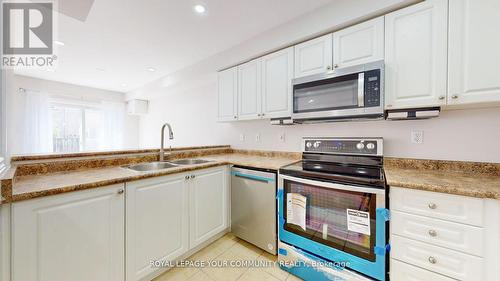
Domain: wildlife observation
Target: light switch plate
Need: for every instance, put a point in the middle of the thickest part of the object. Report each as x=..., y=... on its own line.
x=242, y=137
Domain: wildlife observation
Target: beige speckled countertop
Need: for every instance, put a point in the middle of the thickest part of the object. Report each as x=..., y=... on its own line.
x=34, y=179
x=33, y=186
x=480, y=180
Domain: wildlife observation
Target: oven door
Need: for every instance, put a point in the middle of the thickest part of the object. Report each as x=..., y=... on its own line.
x=347, y=92
x=337, y=222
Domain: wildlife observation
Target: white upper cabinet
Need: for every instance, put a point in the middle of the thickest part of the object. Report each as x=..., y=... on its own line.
x=157, y=223
x=474, y=52
x=249, y=90
x=277, y=75
x=227, y=94
x=359, y=44
x=208, y=204
x=73, y=236
x=313, y=56
x=416, y=55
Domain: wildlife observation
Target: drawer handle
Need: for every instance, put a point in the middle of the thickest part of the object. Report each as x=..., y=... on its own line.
x=432, y=233
x=432, y=260
x=432, y=206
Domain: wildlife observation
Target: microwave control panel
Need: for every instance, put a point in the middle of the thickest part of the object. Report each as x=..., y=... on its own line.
x=372, y=88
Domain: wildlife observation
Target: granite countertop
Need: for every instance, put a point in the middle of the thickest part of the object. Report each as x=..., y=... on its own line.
x=480, y=180
x=38, y=185
x=34, y=179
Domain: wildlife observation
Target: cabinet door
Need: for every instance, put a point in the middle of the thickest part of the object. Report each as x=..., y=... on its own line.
x=208, y=205
x=156, y=223
x=415, y=56
x=474, y=52
x=74, y=236
x=227, y=94
x=313, y=56
x=249, y=90
x=359, y=44
x=277, y=74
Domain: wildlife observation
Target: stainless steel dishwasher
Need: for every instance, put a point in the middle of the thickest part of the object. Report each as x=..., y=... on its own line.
x=253, y=207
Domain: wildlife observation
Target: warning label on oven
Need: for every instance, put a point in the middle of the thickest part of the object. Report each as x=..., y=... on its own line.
x=358, y=221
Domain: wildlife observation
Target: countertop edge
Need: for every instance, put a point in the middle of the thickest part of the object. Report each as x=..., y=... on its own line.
x=71, y=188
x=447, y=190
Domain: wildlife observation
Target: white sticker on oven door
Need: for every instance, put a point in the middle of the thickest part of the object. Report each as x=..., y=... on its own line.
x=358, y=221
x=296, y=209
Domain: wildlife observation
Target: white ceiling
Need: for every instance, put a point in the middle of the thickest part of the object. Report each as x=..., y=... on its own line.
x=120, y=39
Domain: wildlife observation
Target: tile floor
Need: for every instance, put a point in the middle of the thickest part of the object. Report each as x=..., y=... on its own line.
x=228, y=248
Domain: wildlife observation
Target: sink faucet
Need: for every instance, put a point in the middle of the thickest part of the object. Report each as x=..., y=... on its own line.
x=170, y=136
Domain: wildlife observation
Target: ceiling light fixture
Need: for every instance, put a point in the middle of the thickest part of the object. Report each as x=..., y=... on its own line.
x=59, y=43
x=200, y=9
x=151, y=69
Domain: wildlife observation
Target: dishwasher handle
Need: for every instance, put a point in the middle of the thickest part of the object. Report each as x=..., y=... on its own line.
x=252, y=177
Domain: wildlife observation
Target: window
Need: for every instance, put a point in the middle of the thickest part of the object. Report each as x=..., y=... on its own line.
x=86, y=127
x=62, y=124
x=74, y=128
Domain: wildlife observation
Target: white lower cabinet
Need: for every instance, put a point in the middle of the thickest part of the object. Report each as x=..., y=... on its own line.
x=73, y=236
x=156, y=223
x=208, y=208
x=116, y=232
x=437, y=236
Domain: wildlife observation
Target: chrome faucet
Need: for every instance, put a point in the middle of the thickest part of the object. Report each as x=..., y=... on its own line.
x=170, y=136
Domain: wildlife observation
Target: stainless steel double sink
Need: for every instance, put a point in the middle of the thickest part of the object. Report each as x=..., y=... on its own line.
x=153, y=166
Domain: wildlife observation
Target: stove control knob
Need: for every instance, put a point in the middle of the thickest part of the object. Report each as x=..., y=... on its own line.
x=308, y=144
x=360, y=145
x=316, y=144
x=370, y=146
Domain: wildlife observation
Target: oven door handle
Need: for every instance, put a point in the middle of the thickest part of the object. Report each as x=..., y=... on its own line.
x=361, y=89
x=334, y=185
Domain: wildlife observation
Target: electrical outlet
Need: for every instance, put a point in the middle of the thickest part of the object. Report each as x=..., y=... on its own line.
x=417, y=137
x=282, y=137
x=242, y=137
x=257, y=137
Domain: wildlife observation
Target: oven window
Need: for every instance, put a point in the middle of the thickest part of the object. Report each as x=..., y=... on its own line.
x=329, y=94
x=344, y=220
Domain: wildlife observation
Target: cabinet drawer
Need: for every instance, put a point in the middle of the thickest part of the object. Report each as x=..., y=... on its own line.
x=438, y=205
x=441, y=260
x=451, y=235
x=401, y=271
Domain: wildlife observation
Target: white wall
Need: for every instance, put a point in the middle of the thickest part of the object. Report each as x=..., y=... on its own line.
x=192, y=115
x=467, y=135
x=16, y=101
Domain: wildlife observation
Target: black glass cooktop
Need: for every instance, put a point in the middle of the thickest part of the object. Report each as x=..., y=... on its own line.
x=336, y=172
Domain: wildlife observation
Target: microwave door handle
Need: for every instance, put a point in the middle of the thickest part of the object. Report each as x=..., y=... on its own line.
x=361, y=89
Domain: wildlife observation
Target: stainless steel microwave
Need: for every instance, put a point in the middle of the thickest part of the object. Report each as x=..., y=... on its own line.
x=355, y=92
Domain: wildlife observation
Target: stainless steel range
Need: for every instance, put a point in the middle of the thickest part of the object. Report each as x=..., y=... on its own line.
x=332, y=211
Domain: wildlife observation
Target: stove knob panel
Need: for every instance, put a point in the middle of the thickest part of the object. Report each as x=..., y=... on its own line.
x=360, y=145
x=370, y=146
